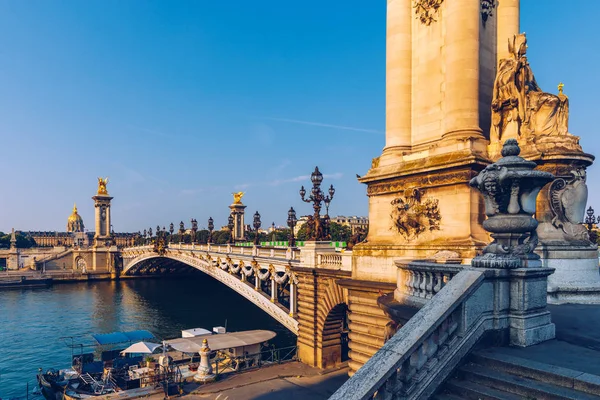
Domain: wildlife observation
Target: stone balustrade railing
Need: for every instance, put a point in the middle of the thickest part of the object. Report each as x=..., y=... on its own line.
x=424, y=352
x=423, y=280
x=341, y=261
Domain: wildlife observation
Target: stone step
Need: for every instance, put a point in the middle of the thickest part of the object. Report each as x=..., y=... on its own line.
x=475, y=391
x=507, y=382
x=495, y=358
x=447, y=396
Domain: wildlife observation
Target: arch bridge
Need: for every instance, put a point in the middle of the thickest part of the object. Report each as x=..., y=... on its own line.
x=297, y=287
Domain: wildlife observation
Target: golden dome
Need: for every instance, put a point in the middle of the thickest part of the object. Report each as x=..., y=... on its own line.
x=75, y=222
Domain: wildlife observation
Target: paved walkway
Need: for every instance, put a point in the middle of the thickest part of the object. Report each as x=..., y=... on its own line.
x=290, y=381
x=577, y=343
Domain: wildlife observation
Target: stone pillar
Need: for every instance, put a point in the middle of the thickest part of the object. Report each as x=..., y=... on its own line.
x=508, y=13
x=273, y=289
x=461, y=50
x=237, y=210
x=398, y=78
x=292, y=297
x=205, y=373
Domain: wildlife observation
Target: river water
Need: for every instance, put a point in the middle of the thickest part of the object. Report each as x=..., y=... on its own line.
x=32, y=321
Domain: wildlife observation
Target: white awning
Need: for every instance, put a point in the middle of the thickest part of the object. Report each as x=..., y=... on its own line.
x=141, y=347
x=221, y=341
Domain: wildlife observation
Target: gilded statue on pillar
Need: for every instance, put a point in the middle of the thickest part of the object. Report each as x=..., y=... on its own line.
x=237, y=197
x=102, y=186
x=519, y=106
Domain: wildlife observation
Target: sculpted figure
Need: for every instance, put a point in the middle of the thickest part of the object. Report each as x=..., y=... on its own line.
x=102, y=185
x=518, y=99
x=237, y=197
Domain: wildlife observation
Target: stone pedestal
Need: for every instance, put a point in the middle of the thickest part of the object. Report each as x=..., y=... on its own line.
x=309, y=253
x=576, y=277
x=530, y=322
x=205, y=372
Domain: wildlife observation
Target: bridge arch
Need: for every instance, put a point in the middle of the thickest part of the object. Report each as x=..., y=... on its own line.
x=322, y=323
x=210, y=267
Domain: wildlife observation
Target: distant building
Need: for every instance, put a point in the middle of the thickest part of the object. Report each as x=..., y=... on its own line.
x=76, y=236
x=355, y=223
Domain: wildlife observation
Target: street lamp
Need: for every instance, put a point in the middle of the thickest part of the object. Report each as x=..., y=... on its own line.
x=291, y=221
x=157, y=231
x=211, y=227
x=171, y=230
x=230, y=226
x=194, y=229
x=256, y=224
x=316, y=230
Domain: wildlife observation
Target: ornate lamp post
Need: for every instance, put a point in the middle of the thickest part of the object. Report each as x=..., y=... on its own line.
x=171, y=230
x=157, y=231
x=181, y=228
x=230, y=226
x=149, y=235
x=316, y=230
x=590, y=220
x=194, y=229
x=291, y=222
x=256, y=224
x=211, y=227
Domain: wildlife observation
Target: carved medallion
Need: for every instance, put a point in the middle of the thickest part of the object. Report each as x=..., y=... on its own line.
x=412, y=215
x=426, y=9
x=568, y=197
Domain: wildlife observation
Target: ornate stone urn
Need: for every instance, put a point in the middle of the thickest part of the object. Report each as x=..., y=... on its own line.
x=510, y=187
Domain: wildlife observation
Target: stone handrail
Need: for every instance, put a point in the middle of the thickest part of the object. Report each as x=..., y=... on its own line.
x=423, y=280
x=424, y=351
x=341, y=261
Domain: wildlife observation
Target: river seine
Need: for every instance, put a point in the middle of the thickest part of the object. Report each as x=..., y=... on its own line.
x=32, y=321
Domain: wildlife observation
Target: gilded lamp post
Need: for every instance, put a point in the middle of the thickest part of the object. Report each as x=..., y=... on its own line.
x=291, y=222
x=194, y=229
x=316, y=227
x=256, y=223
x=211, y=227
x=230, y=226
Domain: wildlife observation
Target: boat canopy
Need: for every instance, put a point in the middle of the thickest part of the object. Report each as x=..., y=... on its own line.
x=122, y=337
x=141, y=348
x=221, y=341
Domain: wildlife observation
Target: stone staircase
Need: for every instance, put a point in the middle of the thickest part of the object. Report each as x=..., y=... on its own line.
x=495, y=374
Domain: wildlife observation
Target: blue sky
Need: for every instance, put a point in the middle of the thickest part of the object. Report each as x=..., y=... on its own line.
x=181, y=103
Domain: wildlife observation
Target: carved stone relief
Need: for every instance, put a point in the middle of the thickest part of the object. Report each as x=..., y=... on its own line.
x=413, y=215
x=426, y=9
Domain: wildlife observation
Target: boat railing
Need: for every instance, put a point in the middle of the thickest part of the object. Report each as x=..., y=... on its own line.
x=227, y=364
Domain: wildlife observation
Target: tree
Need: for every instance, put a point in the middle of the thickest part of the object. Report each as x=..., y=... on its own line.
x=202, y=236
x=339, y=233
x=24, y=241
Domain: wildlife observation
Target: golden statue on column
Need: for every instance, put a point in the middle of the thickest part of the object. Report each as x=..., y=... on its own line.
x=102, y=186
x=237, y=197
x=519, y=106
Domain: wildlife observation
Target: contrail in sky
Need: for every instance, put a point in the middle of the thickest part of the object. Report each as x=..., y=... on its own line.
x=347, y=128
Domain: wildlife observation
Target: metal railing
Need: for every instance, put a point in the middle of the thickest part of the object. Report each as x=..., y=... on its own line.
x=225, y=364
